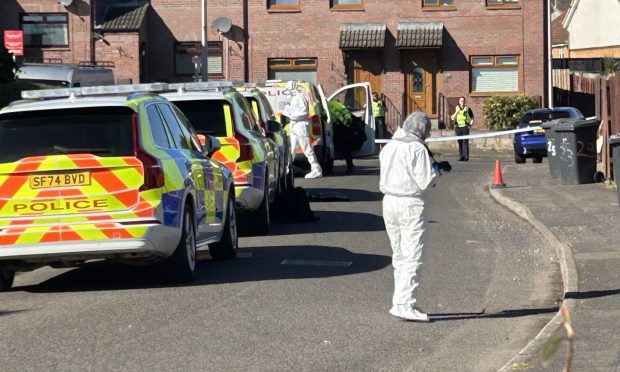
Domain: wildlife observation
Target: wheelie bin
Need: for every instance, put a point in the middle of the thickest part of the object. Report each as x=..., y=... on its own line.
x=576, y=141
x=614, y=143
x=553, y=153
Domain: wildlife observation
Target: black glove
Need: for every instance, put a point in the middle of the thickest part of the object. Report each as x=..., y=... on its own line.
x=444, y=166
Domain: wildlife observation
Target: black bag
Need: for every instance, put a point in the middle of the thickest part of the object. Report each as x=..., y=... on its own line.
x=293, y=206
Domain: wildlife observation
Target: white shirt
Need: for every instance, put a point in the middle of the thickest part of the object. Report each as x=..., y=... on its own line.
x=406, y=166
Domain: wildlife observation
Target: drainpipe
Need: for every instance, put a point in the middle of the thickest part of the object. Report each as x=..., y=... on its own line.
x=204, y=55
x=246, y=36
x=93, y=53
x=549, y=66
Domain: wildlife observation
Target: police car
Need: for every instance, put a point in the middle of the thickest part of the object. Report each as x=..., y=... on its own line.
x=217, y=109
x=98, y=175
x=264, y=114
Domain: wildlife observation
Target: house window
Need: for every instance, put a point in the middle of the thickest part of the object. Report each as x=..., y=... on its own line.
x=502, y=2
x=45, y=29
x=432, y=3
x=283, y=4
x=347, y=4
x=292, y=69
x=494, y=74
x=184, y=53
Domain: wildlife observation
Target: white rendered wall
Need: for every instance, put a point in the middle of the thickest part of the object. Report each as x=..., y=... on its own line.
x=595, y=24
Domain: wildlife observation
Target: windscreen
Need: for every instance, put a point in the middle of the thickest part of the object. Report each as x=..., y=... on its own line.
x=207, y=117
x=536, y=119
x=101, y=131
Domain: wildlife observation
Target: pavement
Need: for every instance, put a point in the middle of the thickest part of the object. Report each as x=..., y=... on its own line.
x=581, y=223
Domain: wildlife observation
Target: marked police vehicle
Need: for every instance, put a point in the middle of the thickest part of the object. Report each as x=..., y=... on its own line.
x=356, y=97
x=217, y=109
x=107, y=173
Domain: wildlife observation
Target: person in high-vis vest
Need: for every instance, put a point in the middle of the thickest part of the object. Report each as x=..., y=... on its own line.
x=463, y=119
x=378, y=111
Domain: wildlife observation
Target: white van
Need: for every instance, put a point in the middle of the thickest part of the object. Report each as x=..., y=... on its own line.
x=66, y=75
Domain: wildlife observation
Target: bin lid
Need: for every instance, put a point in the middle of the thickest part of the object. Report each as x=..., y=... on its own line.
x=614, y=140
x=577, y=124
x=552, y=123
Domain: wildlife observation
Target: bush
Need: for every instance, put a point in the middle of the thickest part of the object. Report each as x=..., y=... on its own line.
x=6, y=66
x=504, y=112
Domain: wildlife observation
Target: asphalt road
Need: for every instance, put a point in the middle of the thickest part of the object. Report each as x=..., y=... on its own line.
x=308, y=297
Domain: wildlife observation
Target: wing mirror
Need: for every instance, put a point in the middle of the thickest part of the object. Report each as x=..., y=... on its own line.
x=210, y=144
x=273, y=126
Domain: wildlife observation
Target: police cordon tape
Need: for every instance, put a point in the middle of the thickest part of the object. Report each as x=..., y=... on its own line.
x=471, y=136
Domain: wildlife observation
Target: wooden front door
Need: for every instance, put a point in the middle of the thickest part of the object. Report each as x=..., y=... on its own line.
x=420, y=68
x=365, y=66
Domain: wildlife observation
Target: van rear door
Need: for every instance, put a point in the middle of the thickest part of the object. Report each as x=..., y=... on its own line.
x=358, y=99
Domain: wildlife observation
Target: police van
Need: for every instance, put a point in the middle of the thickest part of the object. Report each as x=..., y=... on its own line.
x=356, y=97
x=65, y=75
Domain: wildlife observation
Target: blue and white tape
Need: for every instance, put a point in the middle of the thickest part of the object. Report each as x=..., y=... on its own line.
x=471, y=136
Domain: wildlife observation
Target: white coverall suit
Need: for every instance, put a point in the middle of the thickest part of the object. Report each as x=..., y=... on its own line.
x=297, y=112
x=407, y=172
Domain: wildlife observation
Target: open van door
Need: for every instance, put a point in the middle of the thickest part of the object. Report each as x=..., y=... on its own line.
x=358, y=99
x=329, y=129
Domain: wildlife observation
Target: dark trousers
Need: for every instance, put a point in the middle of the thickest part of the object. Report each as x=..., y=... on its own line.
x=380, y=129
x=463, y=144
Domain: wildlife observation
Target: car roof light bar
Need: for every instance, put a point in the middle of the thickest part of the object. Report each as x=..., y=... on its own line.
x=95, y=91
x=206, y=85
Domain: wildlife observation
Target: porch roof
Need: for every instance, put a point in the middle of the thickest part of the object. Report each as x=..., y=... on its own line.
x=412, y=35
x=362, y=35
x=123, y=18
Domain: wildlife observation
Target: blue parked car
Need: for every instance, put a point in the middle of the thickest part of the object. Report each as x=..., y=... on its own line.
x=532, y=144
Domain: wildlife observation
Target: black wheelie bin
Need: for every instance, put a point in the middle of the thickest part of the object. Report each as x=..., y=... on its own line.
x=576, y=142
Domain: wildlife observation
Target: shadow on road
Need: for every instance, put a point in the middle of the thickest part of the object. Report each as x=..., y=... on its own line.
x=355, y=195
x=500, y=314
x=253, y=265
x=331, y=221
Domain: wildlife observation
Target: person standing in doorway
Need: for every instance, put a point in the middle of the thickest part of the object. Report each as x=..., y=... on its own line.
x=297, y=112
x=378, y=111
x=463, y=119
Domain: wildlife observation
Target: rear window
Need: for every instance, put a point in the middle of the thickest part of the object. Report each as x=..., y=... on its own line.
x=535, y=119
x=207, y=117
x=101, y=131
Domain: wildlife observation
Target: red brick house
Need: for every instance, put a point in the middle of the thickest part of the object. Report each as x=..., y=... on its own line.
x=422, y=54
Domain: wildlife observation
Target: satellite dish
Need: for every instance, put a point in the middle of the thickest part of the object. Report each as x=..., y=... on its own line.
x=222, y=24
x=65, y=2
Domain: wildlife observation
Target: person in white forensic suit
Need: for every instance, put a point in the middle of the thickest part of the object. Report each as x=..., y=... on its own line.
x=407, y=171
x=297, y=112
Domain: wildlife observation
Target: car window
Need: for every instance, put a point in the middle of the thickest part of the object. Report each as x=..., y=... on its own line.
x=159, y=133
x=536, y=118
x=245, y=113
x=207, y=117
x=181, y=139
x=268, y=109
x=186, y=126
x=561, y=115
x=102, y=131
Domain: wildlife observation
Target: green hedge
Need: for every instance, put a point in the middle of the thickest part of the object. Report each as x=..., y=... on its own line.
x=504, y=112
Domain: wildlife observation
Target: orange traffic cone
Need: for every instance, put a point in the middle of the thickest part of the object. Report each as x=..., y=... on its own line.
x=497, y=183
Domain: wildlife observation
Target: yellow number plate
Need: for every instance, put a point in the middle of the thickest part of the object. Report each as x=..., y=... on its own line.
x=59, y=180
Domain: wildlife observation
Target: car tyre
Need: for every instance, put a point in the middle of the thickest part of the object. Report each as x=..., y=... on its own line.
x=226, y=248
x=181, y=266
x=260, y=220
x=519, y=159
x=537, y=159
x=6, y=279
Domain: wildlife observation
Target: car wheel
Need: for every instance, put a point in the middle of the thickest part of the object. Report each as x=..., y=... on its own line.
x=181, y=266
x=537, y=159
x=519, y=159
x=259, y=219
x=6, y=279
x=226, y=248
